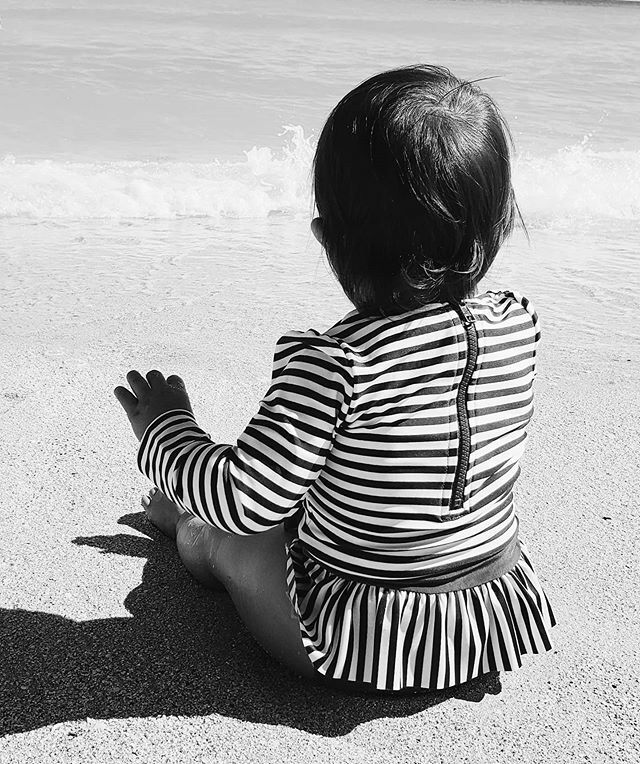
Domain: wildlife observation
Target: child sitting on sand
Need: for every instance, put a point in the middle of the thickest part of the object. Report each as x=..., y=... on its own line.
x=389, y=443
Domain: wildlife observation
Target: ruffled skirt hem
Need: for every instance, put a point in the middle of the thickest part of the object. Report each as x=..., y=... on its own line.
x=393, y=639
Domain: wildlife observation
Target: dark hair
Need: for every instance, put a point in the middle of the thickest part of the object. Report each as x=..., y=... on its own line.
x=412, y=182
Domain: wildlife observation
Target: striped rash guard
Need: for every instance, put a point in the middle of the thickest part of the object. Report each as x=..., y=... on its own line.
x=391, y=447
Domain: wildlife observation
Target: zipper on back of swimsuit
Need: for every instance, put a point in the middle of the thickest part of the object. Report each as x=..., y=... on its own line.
x=464, y=429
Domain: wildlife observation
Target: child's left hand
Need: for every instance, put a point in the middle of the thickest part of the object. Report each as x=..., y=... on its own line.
x=150, y=398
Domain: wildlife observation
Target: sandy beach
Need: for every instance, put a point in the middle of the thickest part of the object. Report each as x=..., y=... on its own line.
x=154, y=205
x=112, y=653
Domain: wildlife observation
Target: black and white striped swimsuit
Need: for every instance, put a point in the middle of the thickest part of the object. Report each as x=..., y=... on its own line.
x=392, y=445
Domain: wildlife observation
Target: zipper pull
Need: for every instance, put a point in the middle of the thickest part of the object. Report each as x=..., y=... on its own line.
x=467, y=316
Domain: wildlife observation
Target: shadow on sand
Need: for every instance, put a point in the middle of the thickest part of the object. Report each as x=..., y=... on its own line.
x=183, y=652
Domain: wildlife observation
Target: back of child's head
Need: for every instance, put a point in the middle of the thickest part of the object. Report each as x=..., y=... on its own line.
x=413, y=187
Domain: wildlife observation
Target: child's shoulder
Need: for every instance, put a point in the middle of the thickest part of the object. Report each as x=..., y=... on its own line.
x=496, y=304
x=337, y=345
x=310, y=347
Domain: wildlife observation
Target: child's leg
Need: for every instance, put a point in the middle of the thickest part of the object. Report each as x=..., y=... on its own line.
x=251, y=568
x=197, y=545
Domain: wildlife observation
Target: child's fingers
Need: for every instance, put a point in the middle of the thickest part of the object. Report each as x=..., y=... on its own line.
x=126, y=399
x=175, y=381
x=155, y=377
x=138, y=384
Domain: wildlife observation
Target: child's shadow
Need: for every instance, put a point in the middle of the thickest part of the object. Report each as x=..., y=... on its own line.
x=183, y=652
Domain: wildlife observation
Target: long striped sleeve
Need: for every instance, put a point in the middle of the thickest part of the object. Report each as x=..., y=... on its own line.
x=254, y=485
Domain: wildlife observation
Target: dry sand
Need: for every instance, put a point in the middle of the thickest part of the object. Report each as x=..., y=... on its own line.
x=112, y=653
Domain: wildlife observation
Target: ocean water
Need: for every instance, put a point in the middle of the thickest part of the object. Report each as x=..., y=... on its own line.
x=159, y=148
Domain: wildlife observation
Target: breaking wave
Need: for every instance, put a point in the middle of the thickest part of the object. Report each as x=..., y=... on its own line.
x=574, y=183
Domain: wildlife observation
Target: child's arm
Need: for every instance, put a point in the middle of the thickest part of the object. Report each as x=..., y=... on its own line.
x=254, y=485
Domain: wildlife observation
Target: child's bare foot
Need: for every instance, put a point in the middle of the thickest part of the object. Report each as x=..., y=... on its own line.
x=161, y=512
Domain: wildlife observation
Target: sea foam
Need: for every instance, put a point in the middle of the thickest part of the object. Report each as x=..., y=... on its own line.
x=572, y=184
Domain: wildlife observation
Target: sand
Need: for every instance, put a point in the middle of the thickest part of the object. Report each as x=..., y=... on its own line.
x=112, y=653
